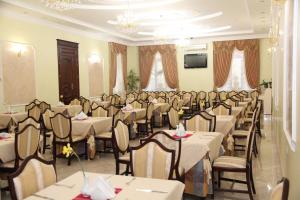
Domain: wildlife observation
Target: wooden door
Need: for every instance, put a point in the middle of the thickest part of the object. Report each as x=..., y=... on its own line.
x=68, y=70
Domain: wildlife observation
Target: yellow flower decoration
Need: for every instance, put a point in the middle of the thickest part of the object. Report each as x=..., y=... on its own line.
x=202, y=103
x=67, y=150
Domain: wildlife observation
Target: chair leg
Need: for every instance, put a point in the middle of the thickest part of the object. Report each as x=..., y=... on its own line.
x=54, y=152
x=127, y=170
x=117, y=168
x=252, y=180
x=69, y=160
x=213, y=183
x=86, y=150
x=249, y=184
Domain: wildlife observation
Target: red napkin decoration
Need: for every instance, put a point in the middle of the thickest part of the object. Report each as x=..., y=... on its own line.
x=81, y=197
x=184, y=136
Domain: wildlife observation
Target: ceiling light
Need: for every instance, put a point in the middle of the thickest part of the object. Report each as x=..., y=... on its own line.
x=136, y=5
x=61, y=4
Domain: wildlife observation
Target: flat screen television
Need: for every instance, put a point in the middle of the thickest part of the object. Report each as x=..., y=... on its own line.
x=198, y=60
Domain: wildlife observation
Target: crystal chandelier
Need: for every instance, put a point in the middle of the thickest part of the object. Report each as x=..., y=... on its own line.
x=127, y=22
x=61, y=4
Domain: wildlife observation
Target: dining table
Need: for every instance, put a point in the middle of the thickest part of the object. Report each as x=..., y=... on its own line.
x=126, y=188
x=7, y=148
x=11, y=117
x=72, y=110
x=196, y=148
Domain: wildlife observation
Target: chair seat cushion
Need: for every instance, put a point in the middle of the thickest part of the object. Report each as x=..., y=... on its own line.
x=230, y=162
x=75, y=138
x=141, y=121
x=125, y=157
x=107, y=135
x=240, y=133
x=185, y=107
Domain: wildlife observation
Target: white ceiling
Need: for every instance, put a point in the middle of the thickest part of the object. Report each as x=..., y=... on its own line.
x=237, y=17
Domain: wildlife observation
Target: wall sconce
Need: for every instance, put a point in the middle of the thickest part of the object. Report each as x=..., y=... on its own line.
x=94, y=58
x=19, y=49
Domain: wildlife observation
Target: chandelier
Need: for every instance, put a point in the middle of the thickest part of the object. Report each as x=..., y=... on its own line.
x=61, y=4
x=127, y=22
x=276, y=14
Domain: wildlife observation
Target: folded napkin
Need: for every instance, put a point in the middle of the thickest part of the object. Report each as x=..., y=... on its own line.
x=81, y=116
x=4, y=135
x=60, y=103
x=154, y=101
x=102, y=190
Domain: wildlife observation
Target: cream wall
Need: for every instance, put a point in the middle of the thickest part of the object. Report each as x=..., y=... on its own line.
x=43, y=38
x=290, y=159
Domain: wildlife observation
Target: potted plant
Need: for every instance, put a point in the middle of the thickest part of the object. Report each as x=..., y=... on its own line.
x=132, y=80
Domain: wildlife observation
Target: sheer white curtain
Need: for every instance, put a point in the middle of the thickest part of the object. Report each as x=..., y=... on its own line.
x=157, y=81
x=119, y=88
x=237, y=79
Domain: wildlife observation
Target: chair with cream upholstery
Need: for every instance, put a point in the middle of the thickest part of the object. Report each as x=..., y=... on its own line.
x=212, y=98
x=47, y=128
x=136, y=104
x=86, y=106
x=236, y=165
x=75, y=102
x=29, y=106
x=171, y=143
x=187, y=105
x=232, y=93
x=150, y=98
x=223, y=95
x=232, y=102
x=104, y=96
x=99, y=111
x=221, y=109
x=143, y=125
x=33, y=175
x=44, y=106
x=202, y=121
x=281, y=190
x=175, y=103
x=244, y=93
x=112, y=110
x=62, y=135
x=173, y=117
x=254, y=94
x=26, y=121
x=161, y=158
x=120, y=140
x=35, y=112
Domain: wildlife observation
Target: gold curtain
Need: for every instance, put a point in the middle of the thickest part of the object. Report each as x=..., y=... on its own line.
x=169, y=62
x=223, y=55
x=116, y=49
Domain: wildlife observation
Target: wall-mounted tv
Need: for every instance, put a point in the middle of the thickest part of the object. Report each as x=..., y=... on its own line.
x=196, y=60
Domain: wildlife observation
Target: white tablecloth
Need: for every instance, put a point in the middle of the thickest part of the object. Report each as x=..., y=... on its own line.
x=173, y=188
x=16, y=117
x=195, y=147
x=225, y=123
x=91, y=125
x=7, y=149
x=237, y=111
x=72, y=109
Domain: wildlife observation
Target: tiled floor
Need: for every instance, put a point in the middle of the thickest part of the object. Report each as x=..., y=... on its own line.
x=266, y=168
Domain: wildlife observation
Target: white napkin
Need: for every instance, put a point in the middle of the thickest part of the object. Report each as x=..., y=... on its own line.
x=154, y=101
x=60, y=103
x=4, y=135
x=102, y=190
x=81, y=116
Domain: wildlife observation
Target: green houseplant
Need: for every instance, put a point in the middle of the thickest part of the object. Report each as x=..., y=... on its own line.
x=132, y=81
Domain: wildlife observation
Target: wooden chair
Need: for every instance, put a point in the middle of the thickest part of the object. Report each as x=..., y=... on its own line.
x=173, y=118
x=201, y=121
x=120, y=140
x=29, y=106
x=99, y=111
x=35, y=113
x=221, y=109
x=162, y=159
x=27, y=121
x=254, y=94
x=236, y=165
x=40, y=173
x=244, y=93
x=86, y=106
x=187, y=102
x=44, y=106
x=171, y=143
x=212, y=98
x=75, y=102
x=232, y=93
x=147, y=122
x=223, y=95
x=26, y=144
x=232, y=102
x=281, y=190
x=47, y=128
x=62, y=135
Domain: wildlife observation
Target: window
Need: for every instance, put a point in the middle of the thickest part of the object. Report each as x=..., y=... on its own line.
x=119, y=87
x=157, y=81
x=237, y=79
